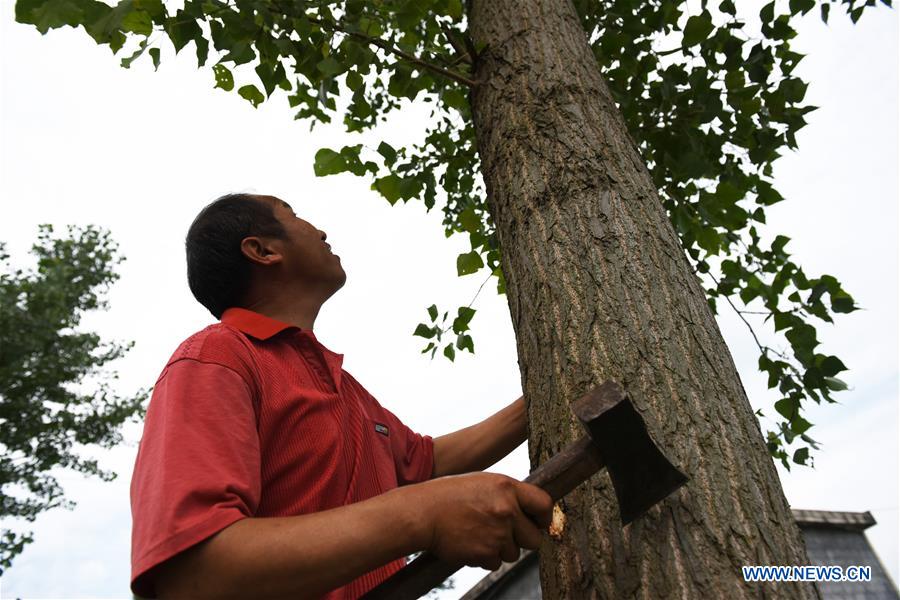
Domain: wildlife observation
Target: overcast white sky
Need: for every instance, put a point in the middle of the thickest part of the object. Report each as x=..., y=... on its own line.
x=84, y=141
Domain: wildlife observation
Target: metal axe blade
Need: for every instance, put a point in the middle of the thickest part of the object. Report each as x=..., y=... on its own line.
x=641, y=475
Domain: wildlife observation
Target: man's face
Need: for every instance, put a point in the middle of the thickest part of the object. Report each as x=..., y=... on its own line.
x=306, y=254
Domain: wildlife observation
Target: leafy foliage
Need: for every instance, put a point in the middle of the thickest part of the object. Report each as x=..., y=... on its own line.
x=459, y=326
x=710, y=101
x=46, y=406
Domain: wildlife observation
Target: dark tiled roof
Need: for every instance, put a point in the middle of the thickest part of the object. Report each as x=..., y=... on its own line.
x=856, y=521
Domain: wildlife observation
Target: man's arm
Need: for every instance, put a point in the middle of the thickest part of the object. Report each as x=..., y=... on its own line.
x=477, y=447
x=477, y=519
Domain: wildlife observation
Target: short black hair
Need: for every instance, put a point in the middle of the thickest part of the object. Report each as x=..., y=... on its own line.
x=218, y=273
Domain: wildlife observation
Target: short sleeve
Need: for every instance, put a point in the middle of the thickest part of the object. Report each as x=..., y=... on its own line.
x=198, y=464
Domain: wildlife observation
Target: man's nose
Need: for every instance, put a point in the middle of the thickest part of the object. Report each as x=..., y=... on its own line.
x=324, y=235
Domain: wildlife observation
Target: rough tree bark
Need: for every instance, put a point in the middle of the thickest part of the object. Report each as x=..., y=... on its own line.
x=600, y=288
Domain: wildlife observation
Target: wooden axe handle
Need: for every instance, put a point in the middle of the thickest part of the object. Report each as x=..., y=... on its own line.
x=568, y=469
x=558, y=476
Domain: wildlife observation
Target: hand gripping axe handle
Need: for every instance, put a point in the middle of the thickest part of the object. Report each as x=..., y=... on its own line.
x=616, y=439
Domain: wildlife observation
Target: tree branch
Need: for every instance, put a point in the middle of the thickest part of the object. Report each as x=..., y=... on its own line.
x=389, y=47
x=740, y=314
x=670, y=51
x=462, y=52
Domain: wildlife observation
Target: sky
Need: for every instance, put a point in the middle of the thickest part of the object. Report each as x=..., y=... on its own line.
x=139, y=153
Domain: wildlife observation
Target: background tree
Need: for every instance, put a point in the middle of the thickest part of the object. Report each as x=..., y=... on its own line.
x=710, y=102
x=54, y=390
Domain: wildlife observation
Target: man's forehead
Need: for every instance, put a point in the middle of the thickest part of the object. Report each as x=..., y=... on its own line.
x=275, y=201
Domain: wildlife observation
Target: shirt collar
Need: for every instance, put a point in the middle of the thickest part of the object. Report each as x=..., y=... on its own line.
x=255, y=324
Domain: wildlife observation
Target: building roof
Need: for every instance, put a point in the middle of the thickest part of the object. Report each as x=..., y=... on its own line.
x=855, y=521
x=482, y=589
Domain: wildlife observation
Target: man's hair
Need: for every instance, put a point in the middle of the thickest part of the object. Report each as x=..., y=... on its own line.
x=218, y=272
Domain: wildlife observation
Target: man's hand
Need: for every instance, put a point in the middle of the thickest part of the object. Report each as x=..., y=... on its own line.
x=479, y=519
x=483, y=519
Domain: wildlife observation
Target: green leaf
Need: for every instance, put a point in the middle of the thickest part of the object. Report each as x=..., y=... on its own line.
x=330, y=67
x=128, y=60
x=449, y=352
x=697, y=29
x=832, y=365
x=395, y=188
x=224, y=78
x=202, y=50
x=251, y=94
x=370, y=27
x=271, y=75
x=155, y=8
x=779, y=243
x=464, y=342
x=468, y=263
x=766, y=194
x=836, y=385
x=423, y=330
x=389, y=187
x=787, y=408
x=433, y=312
x=138, y=21
x=463, y=316
x=182, y=28
x=801, y=456
x=387, y=151
x=470, y=221
x=329, y=162
x=799, y=425
x=802, y=337
x=709, y=239
x=454, y=9
x=353, y=80
x=784, y=320
x=816, y=293
x=747, y=294
x=842, y=303
x=154, y=56
x=49, y=14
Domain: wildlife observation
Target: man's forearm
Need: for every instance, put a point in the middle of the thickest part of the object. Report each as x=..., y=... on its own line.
x=478, y=447
x=297, y=557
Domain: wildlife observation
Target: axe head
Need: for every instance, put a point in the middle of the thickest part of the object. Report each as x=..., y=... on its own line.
x=641, y=475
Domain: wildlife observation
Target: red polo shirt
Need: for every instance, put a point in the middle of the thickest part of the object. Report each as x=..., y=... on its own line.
x=252, y=417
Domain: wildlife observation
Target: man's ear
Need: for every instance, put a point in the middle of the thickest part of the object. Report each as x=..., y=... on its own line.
x=261, y=250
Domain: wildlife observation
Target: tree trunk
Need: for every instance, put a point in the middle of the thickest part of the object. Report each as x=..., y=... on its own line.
x=600, y=288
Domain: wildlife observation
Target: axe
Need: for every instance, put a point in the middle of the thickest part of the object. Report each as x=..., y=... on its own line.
x=616, y=439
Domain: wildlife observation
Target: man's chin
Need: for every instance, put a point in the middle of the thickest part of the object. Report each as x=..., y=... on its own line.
x=341, y=279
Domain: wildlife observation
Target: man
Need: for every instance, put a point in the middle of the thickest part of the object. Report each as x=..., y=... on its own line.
x=266, y=471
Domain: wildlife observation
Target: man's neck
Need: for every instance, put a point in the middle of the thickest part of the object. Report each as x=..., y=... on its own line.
x=298, y=311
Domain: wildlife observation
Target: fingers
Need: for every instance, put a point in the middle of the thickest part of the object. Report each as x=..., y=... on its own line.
x=510, y=552
x=525, y=533
x=486, y=519
x=536, y=503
